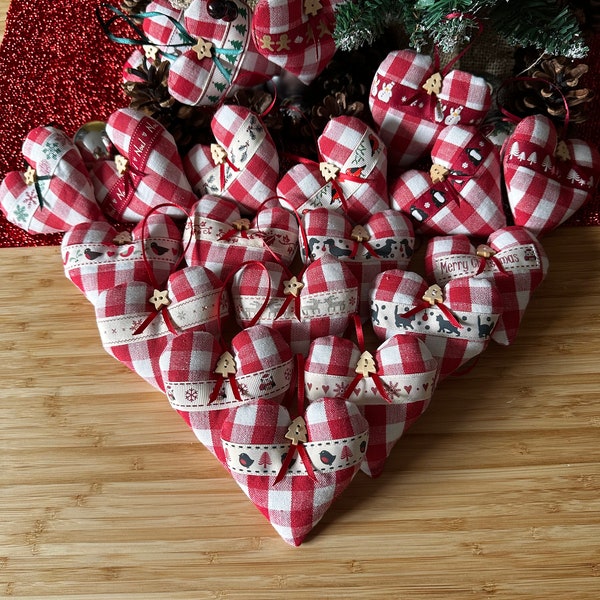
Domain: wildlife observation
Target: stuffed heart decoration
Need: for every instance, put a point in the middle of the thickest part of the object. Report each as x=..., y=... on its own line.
x=146, y=173
x=297, y=35
x=242, y=165
x=97, y=258
x=55, y=192
x=136, y=320
x=320, y=302
x=391, y=389
x=547, y=180
x=161, y=29
x=218, y=57
x=412, y=101
x=325, y=447
x=385, y=241
x=461, y=194
x=351, y=176
x=222, y=240
x=203, y=381
x=455, y=323
x=512, y=257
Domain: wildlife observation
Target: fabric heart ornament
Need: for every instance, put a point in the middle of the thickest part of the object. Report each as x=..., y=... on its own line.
x=412, y=100
x=221, y=240
x=392, y=388
x=217, y=57
x=296, y=35
x=547, y=179
x=350, y=177
x=318, y=302
x=384, y=241
x=136, y=320
x=147, y=171
x=512, y=257
x=55, y=192
x=164, y=27
x=242, y=165
x=461, y=194
x=96, y=257
x=203, y=381
x=325, y=447
x=455, y=323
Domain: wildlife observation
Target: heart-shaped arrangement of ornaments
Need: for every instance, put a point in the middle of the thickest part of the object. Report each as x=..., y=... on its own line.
x=279, y=309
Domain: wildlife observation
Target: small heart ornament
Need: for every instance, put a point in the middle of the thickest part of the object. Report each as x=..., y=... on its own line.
x=55, y=192
x=461, y=194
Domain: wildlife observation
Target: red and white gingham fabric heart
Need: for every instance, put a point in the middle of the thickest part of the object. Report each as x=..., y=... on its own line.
x=461, y=194
x=96, y=257
x=263, y=366
x=221, y=240
x=385, y=241
x=152, y=175
x=297, y=35
x=55, y=193
x=242, y=166
x=320, y=302
x=135, y=325
x=350, y=152
x=254, y=442
x=404, y=369
x=455, y=330
x=218, y=57
x=512, y=257
x=160, y=29
x=409, y=118
x=545, y=189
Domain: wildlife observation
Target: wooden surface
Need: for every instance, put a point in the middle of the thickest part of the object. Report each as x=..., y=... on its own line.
x=494, y=494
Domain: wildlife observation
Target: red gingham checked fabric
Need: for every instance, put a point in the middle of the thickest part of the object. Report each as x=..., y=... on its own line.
x=263, y=369
x=96, y=257
x=222, y=243
x=297, y=35
x=409, y=119
x=404, y=366
x=160, y=29
x=518, y=265
x=474, y=303
x=469, y=198
x=547, y=180
x=192, y=303
x=249, y=170
x=60, y=194
x=154, y=174
x=254, y=440
x=323, y=306
x=388, y=234
x=356, y=150
x=231, y=61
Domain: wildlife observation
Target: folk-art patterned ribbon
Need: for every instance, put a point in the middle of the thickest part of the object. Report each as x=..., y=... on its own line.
x=433, y=297
x=221, y=159
x=32, y=178
x=449, y=180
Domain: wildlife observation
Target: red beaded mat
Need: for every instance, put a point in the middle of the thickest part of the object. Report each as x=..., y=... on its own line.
x=67, y=72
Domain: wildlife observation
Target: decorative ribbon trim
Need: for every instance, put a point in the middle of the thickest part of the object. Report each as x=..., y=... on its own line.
x=32, y=178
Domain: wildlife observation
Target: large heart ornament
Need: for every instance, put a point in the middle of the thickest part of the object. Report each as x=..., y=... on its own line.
x=547, y=180
x=351, y=176
x=217, y=237
x=136, y=320
x=55, y=192
x=455, y=323
x=218, y=57
x=161, y=29
x=297, y=35
x=412, y=101
x=203, y=381
x=461, y=194
x=331, y=439
x=319, y=302
x=242, y=165
x=391, y=388
x=385, y=241
x=147, y=171
x=96, y=257
x=512, y=257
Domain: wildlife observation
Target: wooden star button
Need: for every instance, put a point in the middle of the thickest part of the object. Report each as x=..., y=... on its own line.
x=150, y=52
x=160, y=299
x=328, y=171
x=203, y=49
x=433, y=294
x=292, y=286
x=30, y=176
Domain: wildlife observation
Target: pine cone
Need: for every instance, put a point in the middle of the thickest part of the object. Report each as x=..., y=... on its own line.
x=335, y=105
x=133, y=7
